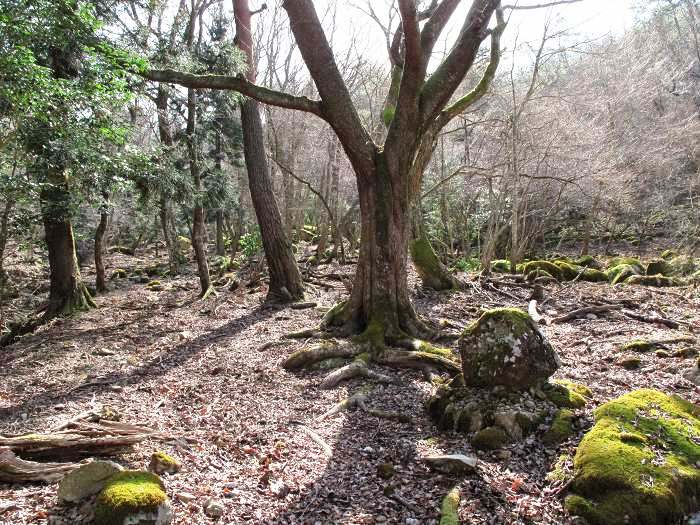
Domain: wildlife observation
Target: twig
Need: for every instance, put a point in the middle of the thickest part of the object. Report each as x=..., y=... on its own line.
x=584, y=311
x=651, y=319
x=315, y=438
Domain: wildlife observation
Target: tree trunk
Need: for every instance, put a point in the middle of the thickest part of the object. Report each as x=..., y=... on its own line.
x=285, y=280
x=4, y=234
x=100, y=281
x=220, y=244
x=67, y=292
x=198, y=217
x=379, y=303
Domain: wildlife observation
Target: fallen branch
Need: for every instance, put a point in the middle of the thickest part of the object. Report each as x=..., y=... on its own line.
x=16, y=470
x=654, y=319
x=581, y=312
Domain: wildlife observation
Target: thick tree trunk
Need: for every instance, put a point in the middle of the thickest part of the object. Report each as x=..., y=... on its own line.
x=67, y=292
x=100, y=281
x=379, y=304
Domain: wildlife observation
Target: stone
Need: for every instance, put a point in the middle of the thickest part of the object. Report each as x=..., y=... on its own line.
x=692, y=375
x=386, y=470
x=452, y=464
x=629, y=363
x=133, y=497
x=639, y=463
x=504, y=347
x=85, y=481
x=490, y=438
x=508, y=421
x=214, y=508
x=161, y=463
x=185, y=497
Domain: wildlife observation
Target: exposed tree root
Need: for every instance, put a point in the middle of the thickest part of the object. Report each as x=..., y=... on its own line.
x=319, y=352
x=359, y=401
x=358, y=368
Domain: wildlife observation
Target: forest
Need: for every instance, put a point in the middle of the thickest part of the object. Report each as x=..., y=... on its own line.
x=412, y=262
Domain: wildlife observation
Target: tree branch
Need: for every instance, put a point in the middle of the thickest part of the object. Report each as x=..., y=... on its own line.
x=516, y=7
x=239, y=84
x=435, y=24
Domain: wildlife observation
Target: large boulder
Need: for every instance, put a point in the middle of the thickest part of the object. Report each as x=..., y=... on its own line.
x=639, y=462
x=504, y=347
x=133, y=497
x=86, y=480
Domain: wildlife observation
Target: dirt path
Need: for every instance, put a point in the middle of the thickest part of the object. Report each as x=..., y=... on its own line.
x=201, y=370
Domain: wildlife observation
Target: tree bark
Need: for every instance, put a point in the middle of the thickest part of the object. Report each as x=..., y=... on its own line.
x=199, y=244
x=4, y=235
x=67, y=292
x=100, y=281
x=285, y=280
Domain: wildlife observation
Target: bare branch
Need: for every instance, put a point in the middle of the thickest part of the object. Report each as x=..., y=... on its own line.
x=516, y=7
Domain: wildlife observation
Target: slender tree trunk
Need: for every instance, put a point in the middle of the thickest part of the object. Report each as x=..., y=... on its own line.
x=220, y=243
x=100, y=281
x=198, y=217
x=285, y=280
x=4, y=235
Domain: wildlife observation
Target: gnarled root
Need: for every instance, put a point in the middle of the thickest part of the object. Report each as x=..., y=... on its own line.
x=359, y=400
x=358, y=368
x=319, y=352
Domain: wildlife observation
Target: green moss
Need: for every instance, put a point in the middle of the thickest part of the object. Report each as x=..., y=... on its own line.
x=638, y=345
x=619, y=273
x=449, y=510
x=653, y=280
x=626, y=261
x=386, y=470
x=153, y=283
x=566, y=394
x=500, y=266
x=119, y=273
x=683, y=265
x=588, y=261
x=561, y=470
x=639, y=461
x=562, y=427
x=431, y=271
x=592, y=275
x=425, y=347
x=669, y=254
x=519, y=320
x=373, y=335
x=547, y=266
x=658, y=266
x=126, y=493
x=162, y=462
x=490, y=438
x=536, y=274
x=569, y=272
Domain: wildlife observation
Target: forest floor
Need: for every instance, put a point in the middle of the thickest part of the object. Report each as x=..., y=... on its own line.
x=205, y=371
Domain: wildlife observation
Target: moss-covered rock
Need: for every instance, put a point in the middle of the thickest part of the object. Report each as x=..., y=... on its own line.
x=629, y=362
x=184, y=244
x=562, y=427
x=659, y=266
x=638, y=464
x=683, y=265
x=548, y=266
x=133, y=497
x=588, y=261
x=505, y=347
x=627, y=261
x=119, y=273
x=386, y=470
x=567, y=394
x=500, y=266
x=536, y=274
x=658, y=281
x=430, y=269
x=568, y=271
x=638, y=345
x=162, y=463
x=619, y=273
x=490, y=438
x=593, y=275
x=449, y=510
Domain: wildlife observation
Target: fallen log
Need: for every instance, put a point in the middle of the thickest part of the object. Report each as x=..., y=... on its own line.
x=16, y=470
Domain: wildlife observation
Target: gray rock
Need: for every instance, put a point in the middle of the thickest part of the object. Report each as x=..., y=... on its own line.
x=453, y=464
x=508, y=421
x=506, y=348
x=214, y=509
x=86, y=480
x=692, y=375
x=163, y=516
x=185, y=497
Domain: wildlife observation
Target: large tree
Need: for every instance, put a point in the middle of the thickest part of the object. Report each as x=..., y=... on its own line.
x=420, y=102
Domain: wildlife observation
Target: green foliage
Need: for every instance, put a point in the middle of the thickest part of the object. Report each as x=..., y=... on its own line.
x=449, y=509
x=466, y=265
x=251, y=243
